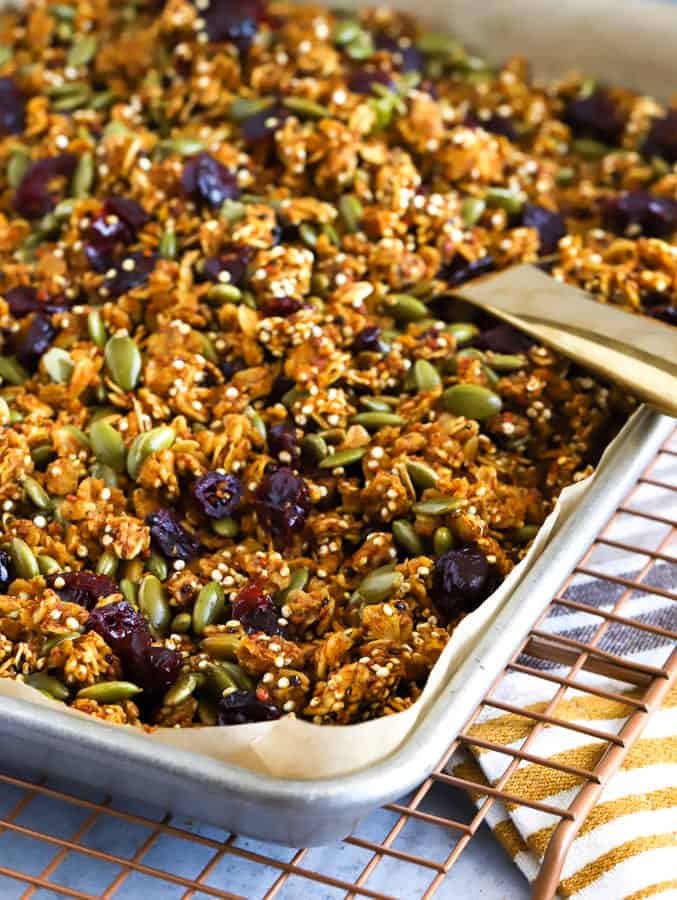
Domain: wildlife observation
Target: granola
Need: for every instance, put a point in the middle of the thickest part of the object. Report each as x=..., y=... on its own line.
x=255, y=459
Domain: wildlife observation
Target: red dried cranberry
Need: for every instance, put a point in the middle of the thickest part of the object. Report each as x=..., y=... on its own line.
x=12, y=108
x=119, y=222
x=206, y=181
x=282, y=502
x=656, y=216
x=281, y=385
x=362, y=80
x=282, y=440
x=217, y=494
x=495, y=124
x=236, y=21
x=664, y=314
x=368, y=340
x=243, y=707
x=261, y=127
x=129, y=273
x=662, y=138
x=33, y=197
x=461, y=581
x=459, y=270
x=154, y=669
x=120, y=625
x=234, y=262
x=170, y=537
x=405, y=56
x=128, y=211
x=7, y=575
x=256, y=611
x=550, y=225
x=230, y=366
x=34, y=341
x=281, y=307
x=504, y=339
x=24, y=300
x=84, y=588
x=595, y=116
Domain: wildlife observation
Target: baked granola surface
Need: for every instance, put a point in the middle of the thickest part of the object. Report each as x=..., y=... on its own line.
x=254, y=459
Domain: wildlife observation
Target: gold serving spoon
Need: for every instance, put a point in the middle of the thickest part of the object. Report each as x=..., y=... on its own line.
x=636, y=352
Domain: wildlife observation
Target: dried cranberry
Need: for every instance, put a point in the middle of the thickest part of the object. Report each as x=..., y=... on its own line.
x=662, y=138
x=256, y=611
x=123, y=628
x=230, y=366
x=155, y=669
x=84, y=588
x=368, y=340
x=34, y=341
x=6, y=571
x=236, y=21
x=461, y=581
x=362, y=80
x=494, y=123
x=282, y=502
x=550, y=225
x=406, y=57
x=12, y=108
x=24, y=300
x=281, y=385
x=282, y=440
x=655, y=216
x=281, y=307
x=595, y=116
x=261, y=127
x=504, y=339
x=234, y=262
x=118, y=223
x=131, y=272
x=460, y=270
x=217, y=494
x=33, y=197
x=206, y=181
x=128, y=211
x=664, y=314
x=243, y=707
x=170, y=537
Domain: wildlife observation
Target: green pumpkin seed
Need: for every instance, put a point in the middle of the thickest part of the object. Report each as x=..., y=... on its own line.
x=405, y=308
x=225, y=527
x=333, y=436
x=351, y=212
x=297, y=582
x=659, y=167
x=123, y=359
x=157, y=565
x=95, y=328
x=346, y=31
x=58, y=365
x=207, y=713
x=221, y=646
x=129, y=591
x=442, y=540
x=379, y=585
x=48, y=685
x=25, y=563
x=257, y=422
x=462, y=331
x=109, y=691
x=308, y=234
x=245, y=107
x=168, y=246
x=181, y=623
x=83, y=177
x=589, y=149
x=12, y=371
x=105, y=474
x=237, y=674
x=434, y=43
x=525, y=534
x=506, y=362
x=565, y=176
x=37, y=494
x=82, y=52
x=502, y=198
x=53, y=642
x=6, y=54
x=154, y=605
x=373, y=404
x=108, y=445
x=74, y=100
x=233, y=211
x=78, y=435
x=144, y=445
x=224, y=293
x=406, y=537
x=472, y=401
x=425, y=375
x=305, y=107
x=107, y=564
x=342, y=458
x=103, y=100
x=17, y=166
x=423, y=475
x=183, y=146
x=315, y=447
x=208, y=607
x=375, y=420
x=361, y=47
x=219, y=682
x=437, y=506
x=208, y=350
x=472, y=209
x=48, y=565
x=181, y=690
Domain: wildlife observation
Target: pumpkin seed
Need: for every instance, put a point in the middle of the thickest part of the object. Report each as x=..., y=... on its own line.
x=83, y=177
x=308, y=234
x=305, y=107
x=245, y=107
x=565, y=176
x=157, y=565
x=154, y=605
x=12, y=371
x=233, y=211
x=437, y=506
x=472, y=401
x=342, y=458
x=207, y=713
x=442, y=540
x=103, y=100
x=181, y=690
x=425, y=375
x=181, y=623
x=133, y=569
x=123, y=359
x=379, y=585
x=105, y=474
x=224, y=293
x=208, y=607
x=361, y=46
x=48, y=685
x=47, y=564
x=314, y=446
x=405, y=535
x=221, y=646
x=472, y=209
x=525, y=534
x=659, y=166
x=257, y=422
x=6, y=54
x=423, y=475
x=109, y=691
x=53, y=642
x=36, y=493
x=376, y=420
x=82, y=52
x=76, y=99
x=17, y=166
x=183, y=146
x=297, y=582
x=108, y=446
x=107, y=564
x=346, y=31
x=15, y=416
x=405, y=308
x=219, y=682
x=351, y=212
x=168, y=246
x=504, y=199
x=25, y=563
x=96, y=328
x=589, y=149
x=58, y=365
x=238, y=675
x=434, y=43
x=144, y=445
x=462, y=331
x=225, y=527
x=373, y=404
x=506, y=362
x=129, y=591
x=78, y=435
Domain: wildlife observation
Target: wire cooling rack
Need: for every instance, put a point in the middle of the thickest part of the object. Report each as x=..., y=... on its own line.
x=103, y=848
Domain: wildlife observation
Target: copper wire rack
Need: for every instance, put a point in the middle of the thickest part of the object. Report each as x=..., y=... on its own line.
x=105, y=847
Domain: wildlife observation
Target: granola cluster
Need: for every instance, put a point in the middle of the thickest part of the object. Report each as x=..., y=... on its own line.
x=255, y=459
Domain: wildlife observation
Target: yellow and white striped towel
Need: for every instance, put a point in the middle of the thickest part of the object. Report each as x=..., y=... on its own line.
x=627, y=848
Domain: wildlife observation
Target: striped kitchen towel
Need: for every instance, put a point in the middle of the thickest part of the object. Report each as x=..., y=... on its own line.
x=627, y=847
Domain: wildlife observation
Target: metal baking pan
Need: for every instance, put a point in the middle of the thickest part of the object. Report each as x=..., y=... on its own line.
x=312, y=812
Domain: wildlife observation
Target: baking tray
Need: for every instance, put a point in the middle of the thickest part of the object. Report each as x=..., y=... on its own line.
x=312, y=812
